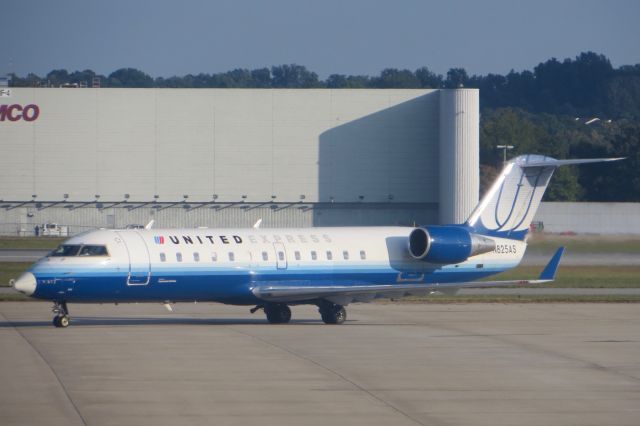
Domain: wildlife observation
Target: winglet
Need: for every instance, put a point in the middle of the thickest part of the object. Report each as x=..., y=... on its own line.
x=549, y=271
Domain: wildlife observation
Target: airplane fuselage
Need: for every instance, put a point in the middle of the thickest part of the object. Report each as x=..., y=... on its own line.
x=225, y=265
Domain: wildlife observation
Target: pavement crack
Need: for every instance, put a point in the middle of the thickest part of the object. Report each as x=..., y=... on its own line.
x=53, y=371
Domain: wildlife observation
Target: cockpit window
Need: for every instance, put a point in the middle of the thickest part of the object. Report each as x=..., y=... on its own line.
x=66, y=250
x=79, y=250
x=93, y=251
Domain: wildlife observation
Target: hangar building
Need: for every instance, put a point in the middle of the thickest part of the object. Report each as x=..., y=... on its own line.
x=89, y=158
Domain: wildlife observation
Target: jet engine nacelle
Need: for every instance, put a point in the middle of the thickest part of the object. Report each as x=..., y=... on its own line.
x=447, y=244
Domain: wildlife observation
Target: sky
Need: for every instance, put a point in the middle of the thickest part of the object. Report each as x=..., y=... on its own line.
x=165, y=38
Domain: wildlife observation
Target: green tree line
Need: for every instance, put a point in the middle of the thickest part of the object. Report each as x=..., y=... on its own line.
x=548, y=110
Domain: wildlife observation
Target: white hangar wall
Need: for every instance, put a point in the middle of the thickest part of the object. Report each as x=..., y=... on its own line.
x=353, y=156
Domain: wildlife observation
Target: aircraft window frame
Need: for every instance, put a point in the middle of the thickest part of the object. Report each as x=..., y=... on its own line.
x=345, y=254
x=178, y=257
x=296, y=254
x=232, y=256
x=163, y=257
x=363, y=255
x=329, y=255
x=314, y=255
x=68, y=250
x=265, y=256
x=88, y=253
x=281, y=256
x=196, y=256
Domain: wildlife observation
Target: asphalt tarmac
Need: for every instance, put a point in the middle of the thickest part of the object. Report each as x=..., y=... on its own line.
x=389, y=364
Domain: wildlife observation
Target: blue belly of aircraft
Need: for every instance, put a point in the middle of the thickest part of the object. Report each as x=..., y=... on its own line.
x=231, y=286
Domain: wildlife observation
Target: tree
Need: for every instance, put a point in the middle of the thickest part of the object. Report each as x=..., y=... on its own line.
x=456, y=77
x=129, y=77
x=398, y=79
x=428, y=79
x=294, y=76
x=57, y=78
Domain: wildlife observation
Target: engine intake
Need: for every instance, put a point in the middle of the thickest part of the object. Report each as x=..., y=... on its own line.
x=447, y=244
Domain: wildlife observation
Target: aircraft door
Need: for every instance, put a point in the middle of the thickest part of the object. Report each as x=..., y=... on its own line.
x=281, y=256
x=139, y=261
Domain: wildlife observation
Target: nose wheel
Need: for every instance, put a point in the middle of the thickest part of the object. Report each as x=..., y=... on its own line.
x=61, y=320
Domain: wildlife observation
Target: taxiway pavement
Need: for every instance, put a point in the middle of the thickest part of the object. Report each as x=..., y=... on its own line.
x=400, y=364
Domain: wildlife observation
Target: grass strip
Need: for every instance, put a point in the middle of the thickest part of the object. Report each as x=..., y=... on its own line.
x=39, y=243
x=443, y=299
x=580, y=276
x=546, y=243
x=11, y=270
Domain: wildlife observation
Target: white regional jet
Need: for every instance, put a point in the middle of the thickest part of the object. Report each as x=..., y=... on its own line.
x=275, y=268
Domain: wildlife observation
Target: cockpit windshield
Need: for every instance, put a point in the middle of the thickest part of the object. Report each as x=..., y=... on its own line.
x=93, y=251
x=66, y=250
x=79, y=250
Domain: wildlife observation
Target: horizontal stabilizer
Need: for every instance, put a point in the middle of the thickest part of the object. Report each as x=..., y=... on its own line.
x=552, y=162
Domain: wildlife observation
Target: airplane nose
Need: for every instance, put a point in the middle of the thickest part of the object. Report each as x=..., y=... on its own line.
x=26, y=283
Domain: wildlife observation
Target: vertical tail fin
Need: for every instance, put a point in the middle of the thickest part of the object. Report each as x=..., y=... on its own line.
x=508, y=208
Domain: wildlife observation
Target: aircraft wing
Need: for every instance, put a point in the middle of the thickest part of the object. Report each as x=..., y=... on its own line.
x=343, y=295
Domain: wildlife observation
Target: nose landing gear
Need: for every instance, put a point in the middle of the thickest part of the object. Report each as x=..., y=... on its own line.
x=61, y=320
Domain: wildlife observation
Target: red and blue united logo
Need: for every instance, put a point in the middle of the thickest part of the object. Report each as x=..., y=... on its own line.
x=158, y=239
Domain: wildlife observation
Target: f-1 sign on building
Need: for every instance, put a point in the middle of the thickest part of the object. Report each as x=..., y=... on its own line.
x=225, y=157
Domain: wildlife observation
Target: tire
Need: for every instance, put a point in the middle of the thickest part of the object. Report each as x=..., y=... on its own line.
x=334, y=315
x=56, y=322
x=278, y=313
x=64, y=321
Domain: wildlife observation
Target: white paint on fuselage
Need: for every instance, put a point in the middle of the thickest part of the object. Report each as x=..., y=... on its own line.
x=302, y=248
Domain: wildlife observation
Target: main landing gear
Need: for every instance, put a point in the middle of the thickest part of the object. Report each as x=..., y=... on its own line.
x=61, y=320
x=279, y=313
x=332, y=313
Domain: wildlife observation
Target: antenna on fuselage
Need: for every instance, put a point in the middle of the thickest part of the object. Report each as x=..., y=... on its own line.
x=257, y=224
x=149, y=225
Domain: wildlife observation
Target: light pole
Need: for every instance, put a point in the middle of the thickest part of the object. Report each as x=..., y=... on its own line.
x=504, y=148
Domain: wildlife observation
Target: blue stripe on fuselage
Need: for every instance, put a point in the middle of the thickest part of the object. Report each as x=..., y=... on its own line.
x=223, y=284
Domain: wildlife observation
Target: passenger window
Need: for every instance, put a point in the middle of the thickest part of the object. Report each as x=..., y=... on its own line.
x=345, y=255
x=314, y=255
x=179, y=257
x=297, y=255
x=329, y=255
x=196, y=257
x=214, y=256
x=363, y=255
x=281, y=255
x=232, y=256
x=93, y=251
x=265, y=256
x=163, y=257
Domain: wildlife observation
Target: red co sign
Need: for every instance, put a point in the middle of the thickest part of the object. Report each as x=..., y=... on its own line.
x=17, y=112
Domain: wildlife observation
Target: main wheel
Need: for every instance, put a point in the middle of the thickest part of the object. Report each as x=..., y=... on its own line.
x=277, y=313
x=335, y=314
